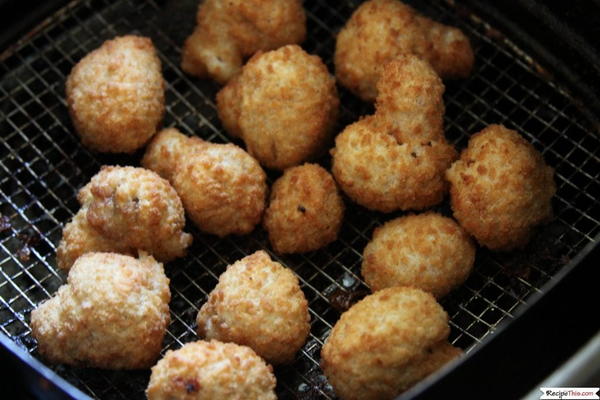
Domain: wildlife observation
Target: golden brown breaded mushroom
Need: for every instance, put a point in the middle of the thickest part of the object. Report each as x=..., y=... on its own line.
x=381, y=30
x=306, y=210
x=257, y=303
x=211, y=370
x=501, y=188
x=124, y=209
x=386, y=343
x=116, y=95
x=283, y=106
x=426, y=251
x=228, y=31
x=396, y=158
x=112, y=313
x=223, y=189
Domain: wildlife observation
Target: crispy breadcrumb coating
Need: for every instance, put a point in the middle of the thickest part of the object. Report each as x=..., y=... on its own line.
x=426, y=251
x=386, y=343
x=211, y=370
x=257, y=303
x=283, y=106
x=381, y=30
x=306, y=210
x=396, y=158
x=124, y=209
x=112, y=313
x=223, y=189
x=228, y=31
x=116, y=95
x=501, y=188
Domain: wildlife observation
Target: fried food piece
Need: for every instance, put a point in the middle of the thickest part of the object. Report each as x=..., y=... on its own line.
x=112, y=313
x=228, y=31
x=211, y=370
x=257, y=303
x=425, y=251
x=386, y=343
x=283, y=106
x=305, y=212
x=79, y=237
x=381, y=30
x=124, y=209
x=116, y=95
x=396, y=158
x=501, y=188
x=222, y=187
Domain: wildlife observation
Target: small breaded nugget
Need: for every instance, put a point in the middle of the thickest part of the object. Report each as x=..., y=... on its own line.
x=381, y=30
x=228, y=31
x=396, y=158
x=257, y=303
x=501, y=188
x=116, y=95
x=386, y=343
x=125, y=209
x=112, y=313
x=209, y=371
x=426, y=251
x=283, y=106
x=305, y=212
x=222, y=187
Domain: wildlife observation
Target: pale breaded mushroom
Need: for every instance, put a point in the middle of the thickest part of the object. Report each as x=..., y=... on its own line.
x=125, y=209
x=386, y=343
x=283, y=105
x=306, y=210
x=427, y=251
x=211, y=370
x=223, y=189
x=396, y=158
x=381, y=30
x=112, y=313
x=116, y=95
x=228, y=31
x=501, y=188
x=257, y=303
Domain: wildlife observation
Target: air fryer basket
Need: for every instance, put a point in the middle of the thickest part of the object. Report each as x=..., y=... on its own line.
x=42, y=166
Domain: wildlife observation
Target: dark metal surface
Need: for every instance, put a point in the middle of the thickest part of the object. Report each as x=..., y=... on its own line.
x=42, y=165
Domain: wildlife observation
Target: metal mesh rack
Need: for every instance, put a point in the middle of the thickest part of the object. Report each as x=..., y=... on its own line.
x=42, y=165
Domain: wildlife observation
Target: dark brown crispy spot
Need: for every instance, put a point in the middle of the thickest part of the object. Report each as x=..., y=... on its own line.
x=190, y=385
x=301, y=209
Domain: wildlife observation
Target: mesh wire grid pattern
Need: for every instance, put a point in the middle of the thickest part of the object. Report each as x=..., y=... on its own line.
x=43, y=165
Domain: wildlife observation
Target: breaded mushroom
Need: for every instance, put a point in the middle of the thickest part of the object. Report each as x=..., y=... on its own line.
x=283, y=106
x=427, y=251
x=116, y=95
x=386, y=343
x=306, y=210
x=257, y=303
x=501, y=188
x=396, y=158
x=112, y=313
x=211, y=370
x=381, y=30
x=223, y=189
x=125, y=209
x=228, y=31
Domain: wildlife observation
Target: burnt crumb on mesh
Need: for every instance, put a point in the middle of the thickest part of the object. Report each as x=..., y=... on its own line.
x=301, y=209
x=4, y=223
x=28, y=239
x=544, y=252
x=341, y=300
x=315, y=388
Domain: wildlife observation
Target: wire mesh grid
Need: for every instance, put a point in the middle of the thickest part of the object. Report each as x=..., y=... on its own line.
x=43, y=165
